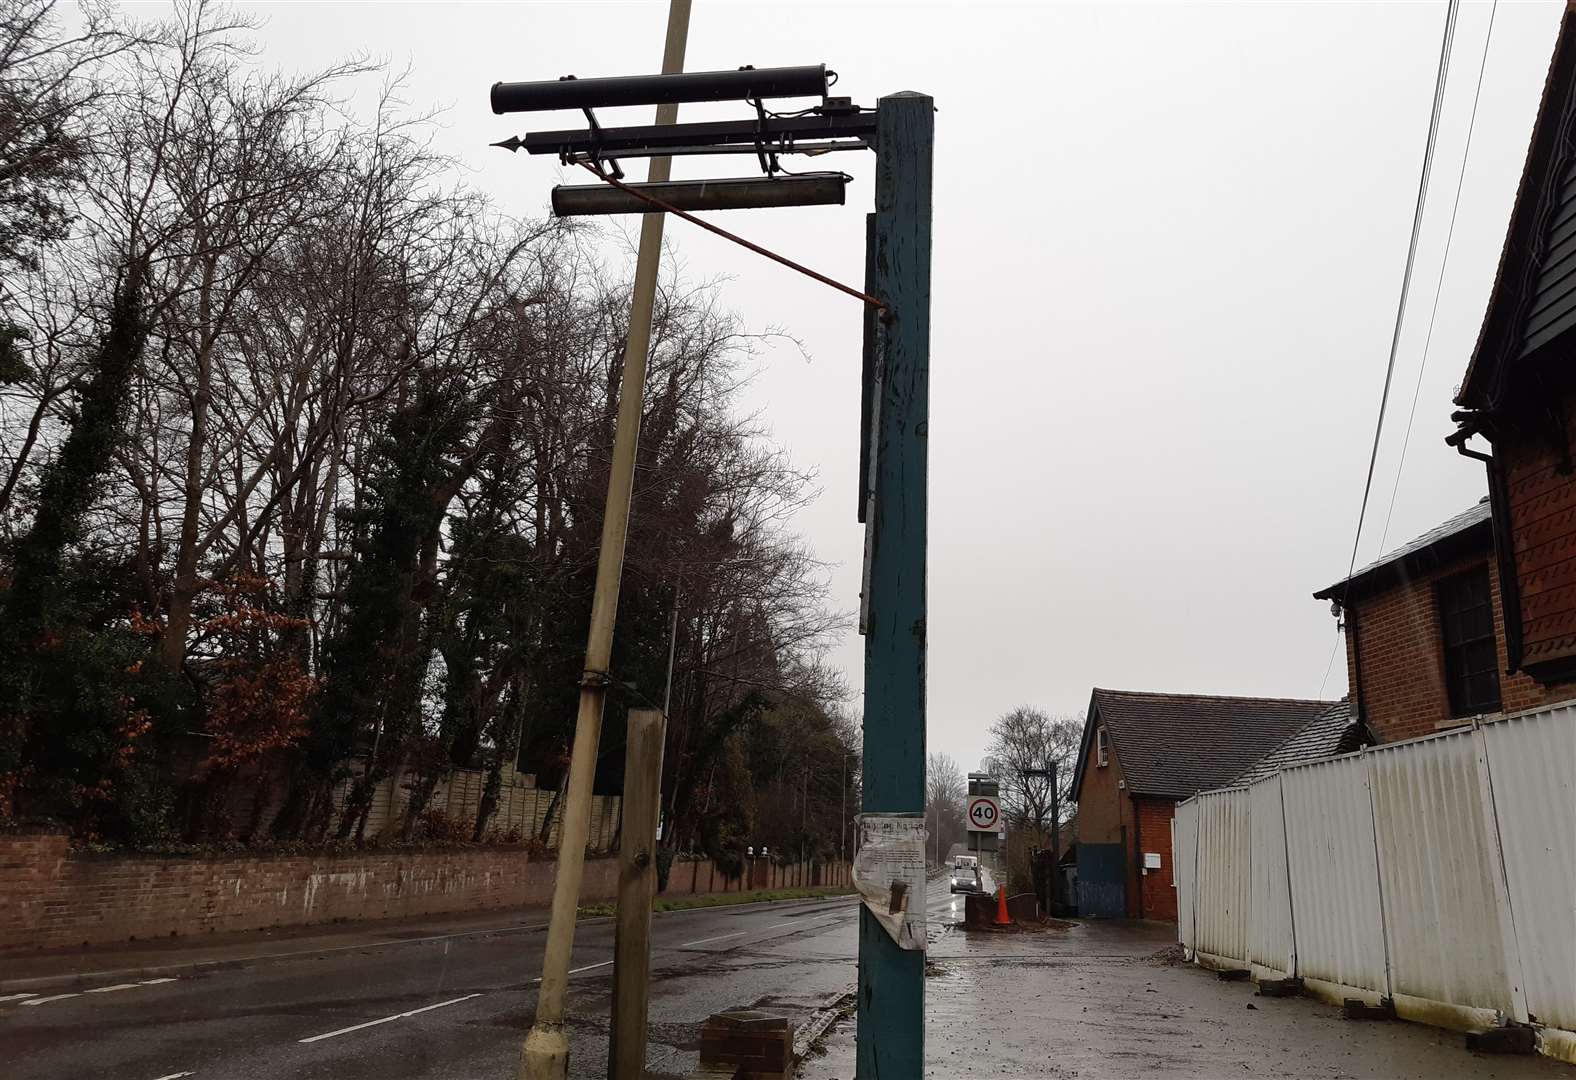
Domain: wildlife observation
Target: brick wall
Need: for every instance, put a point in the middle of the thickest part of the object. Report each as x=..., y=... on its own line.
x=1106, y=814
x=51, y=898
x=1542, y=512
x=1403, y=674
x=1103, y=806
x=1154, y=835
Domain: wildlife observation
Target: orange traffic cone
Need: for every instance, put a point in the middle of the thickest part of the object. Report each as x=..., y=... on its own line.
x=1002, y=918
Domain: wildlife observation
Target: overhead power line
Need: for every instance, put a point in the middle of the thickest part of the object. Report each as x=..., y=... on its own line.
x=1440, y=79
x=1440, y=284
x=1406, y=277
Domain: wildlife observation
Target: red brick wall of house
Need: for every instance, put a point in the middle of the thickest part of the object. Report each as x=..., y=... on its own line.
x=1103, y=806
x=1403, y=674
x=51, y=898
x=1105, y=812
x=1542, y=512
x=1154, y=836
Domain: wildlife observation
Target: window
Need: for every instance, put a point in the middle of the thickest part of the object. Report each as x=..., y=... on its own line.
x=1466, y=625
x=1102, y=755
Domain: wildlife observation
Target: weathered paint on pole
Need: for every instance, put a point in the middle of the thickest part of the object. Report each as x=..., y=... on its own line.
x=891, y=1002
x=637, y=885
x=545, y=1054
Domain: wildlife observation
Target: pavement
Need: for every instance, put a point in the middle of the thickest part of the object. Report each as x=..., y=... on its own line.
x=1095, y=1002
x=440, y=998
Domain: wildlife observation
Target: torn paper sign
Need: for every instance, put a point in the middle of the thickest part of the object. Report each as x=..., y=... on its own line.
x=889, y=872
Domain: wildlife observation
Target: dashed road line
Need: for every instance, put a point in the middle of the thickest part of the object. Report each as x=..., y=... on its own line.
x=803, y=922
x=719, y=937
x=34, y=999
x=578, y=970
x=387, y=1019
x=176, y=1076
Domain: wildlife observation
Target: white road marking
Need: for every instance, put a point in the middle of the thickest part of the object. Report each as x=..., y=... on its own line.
x=387, y=1019
x=802, y=922
x=52, y=997
x=719, y=937
x=16, y=997
x=156, y=982
x=177, y=1076
x=578, y=970
x=112, y=989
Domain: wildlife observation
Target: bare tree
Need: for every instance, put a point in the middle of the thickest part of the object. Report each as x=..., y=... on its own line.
x=1027, y=747
x=364, y=452
x=945, y=789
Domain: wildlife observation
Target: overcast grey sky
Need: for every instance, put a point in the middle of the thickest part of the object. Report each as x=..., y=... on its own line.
x=1169, y=242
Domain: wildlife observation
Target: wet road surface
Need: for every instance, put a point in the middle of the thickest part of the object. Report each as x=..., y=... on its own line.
x=434, y=1006
x=1091, y=1003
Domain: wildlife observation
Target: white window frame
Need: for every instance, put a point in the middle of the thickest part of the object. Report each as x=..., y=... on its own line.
x=1102, y=749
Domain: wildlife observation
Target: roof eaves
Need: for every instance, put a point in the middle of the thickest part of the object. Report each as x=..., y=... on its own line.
x=1501, y=313
x=1468, y=532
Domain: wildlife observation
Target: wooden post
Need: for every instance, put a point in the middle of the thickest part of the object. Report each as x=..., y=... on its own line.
x=637, y=885
x=545, y=1055
x=891, y=999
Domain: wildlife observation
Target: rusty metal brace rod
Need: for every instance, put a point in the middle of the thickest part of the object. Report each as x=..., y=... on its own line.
x=726, y=235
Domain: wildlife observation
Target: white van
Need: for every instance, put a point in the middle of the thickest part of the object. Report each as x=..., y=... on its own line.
x=966, y=874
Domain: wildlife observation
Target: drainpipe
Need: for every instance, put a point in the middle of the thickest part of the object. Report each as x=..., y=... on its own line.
x=1499, y=513
x=1138, y=853
x=1353, y=640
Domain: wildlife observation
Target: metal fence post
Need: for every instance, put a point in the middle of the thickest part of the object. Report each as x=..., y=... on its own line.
x=1373, y=817
x=891, y=999
x=1496, y=856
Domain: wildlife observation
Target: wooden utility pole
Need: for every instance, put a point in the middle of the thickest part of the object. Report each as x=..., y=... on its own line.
x=637, y=885
x=545, y=1055
x=891, y=1000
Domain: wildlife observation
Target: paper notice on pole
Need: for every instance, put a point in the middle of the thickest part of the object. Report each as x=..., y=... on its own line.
x=889, y=872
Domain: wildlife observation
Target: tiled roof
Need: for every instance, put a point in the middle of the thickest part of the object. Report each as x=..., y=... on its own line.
x=1467, y=519
x=1334, y=731
x=1175, y=745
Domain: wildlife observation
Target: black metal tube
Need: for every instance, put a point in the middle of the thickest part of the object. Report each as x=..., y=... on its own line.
x=816, y=148
x=614, y=140
x=814, y=189
x=778, y=82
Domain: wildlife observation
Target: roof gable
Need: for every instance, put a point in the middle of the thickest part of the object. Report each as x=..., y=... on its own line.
x=1533, y=300
x=1174, y=745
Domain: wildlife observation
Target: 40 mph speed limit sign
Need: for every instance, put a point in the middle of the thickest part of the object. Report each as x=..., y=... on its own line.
x=984, y=813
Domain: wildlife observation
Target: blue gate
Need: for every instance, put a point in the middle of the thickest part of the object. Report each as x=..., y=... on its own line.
x=1102, y=874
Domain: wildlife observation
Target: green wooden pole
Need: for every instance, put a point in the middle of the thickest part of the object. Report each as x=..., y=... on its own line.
x=891, y=1023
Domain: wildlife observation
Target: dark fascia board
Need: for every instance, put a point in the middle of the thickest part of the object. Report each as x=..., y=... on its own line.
x=1485, y=378
x=1091, y=720
x=1475, y=539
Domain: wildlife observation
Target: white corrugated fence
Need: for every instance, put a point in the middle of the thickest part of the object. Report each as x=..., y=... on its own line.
x=1439, y=873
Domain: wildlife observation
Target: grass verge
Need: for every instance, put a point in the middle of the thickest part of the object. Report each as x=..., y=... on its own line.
x=757, y=896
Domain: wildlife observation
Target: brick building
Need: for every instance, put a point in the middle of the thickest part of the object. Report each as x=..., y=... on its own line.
x=1478, y=616
x=1519, y=396
x=1425, y=634
x=1140, y=755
